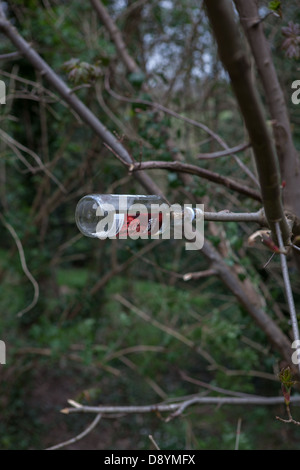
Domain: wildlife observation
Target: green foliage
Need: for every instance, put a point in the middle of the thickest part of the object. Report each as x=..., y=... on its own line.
x=81, y=72
x=275, y=5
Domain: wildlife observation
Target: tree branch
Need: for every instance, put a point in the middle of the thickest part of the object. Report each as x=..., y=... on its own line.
x=286, y=151
x=24, y=267
x=116, y=36
x=80, y=436
x=177, y=408
x=190, y=121
x=288, y=289
x=221, y=16
x=198, y=171
x=223, y=153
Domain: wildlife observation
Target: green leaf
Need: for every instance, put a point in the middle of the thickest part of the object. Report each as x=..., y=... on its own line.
x=274, y=5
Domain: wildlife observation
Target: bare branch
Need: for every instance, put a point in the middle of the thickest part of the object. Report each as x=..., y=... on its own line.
x=223, y=153
x=153, y=442
x=116, y=36
x=236, y=62
x=196, y=170
x=282, y=129
x=80, y=436
x=199, y=274
x=166, y=329
x=213, y=388
x=10, y=56
x=227, y=216
x=178, y=407
x=24, y=267
x=17, y=145
x=238, y=433
x=288, y=289
x=290, y=420
x=190, y=121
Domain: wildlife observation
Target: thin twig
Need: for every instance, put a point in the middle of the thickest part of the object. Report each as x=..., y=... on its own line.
x=213, y=388
x=80, y=436
x=175, y=407
x=238, y=434
x=291, y=419
x=198, y=171
x=227, y=216
x=152, y=384
x=199, y=274
x=287, y=285
x=190, y=121
x=166, y=329
x=11, y=141
x=153, y=442
x=24, y=267
x=10, y=56
x=134, y=349
x=223, y=153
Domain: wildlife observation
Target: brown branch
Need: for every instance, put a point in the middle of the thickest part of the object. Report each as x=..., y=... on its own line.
x=152, y=384
x=109, y=275
x=175, y=407
x=116, y=36
x=79, y=436
x=265, y=322
x=286, y=151
x=211, y=387
x=291, y=419
x=223, y=153
x=198, y=171
x=17, y=147
x=176, y=115
x=166, y=329
x=236, y=62
x=24, y=267
x=134, y=349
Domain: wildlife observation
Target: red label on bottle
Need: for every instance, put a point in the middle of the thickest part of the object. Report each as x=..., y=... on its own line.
x=141, y=224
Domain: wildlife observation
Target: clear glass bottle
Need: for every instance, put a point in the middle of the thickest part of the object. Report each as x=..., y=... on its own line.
x=126, y=215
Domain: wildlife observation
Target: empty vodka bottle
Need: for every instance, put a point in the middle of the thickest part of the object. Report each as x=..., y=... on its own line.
x=122, y=216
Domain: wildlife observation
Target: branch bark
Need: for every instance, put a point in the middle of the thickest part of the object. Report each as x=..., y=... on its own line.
x=116, y=36
x=176, y=407
x=235, y=60
x=286, y=151
x=198, y=171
